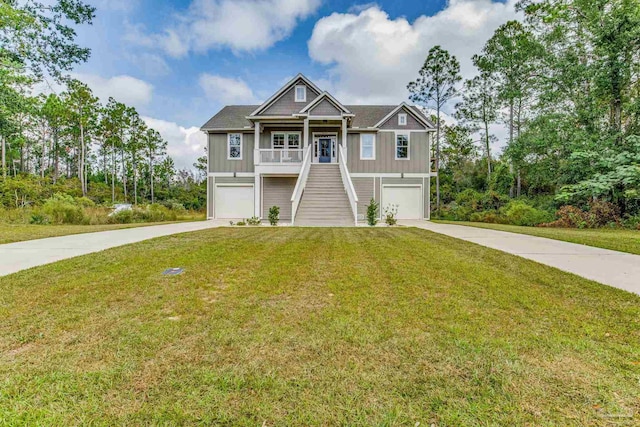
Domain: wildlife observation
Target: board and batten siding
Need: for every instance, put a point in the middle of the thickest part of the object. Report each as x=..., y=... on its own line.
x=365, y=191
x=265, y=136
x=286, y=105
x=210, y=194
x=392, y=122
x=385, y=161
x=277, y=191
x=218, y=161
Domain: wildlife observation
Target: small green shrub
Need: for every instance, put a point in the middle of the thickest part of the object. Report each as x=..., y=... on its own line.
x=122, y=217
x=241, y=223
x=84, y=202
x=39, y=219
x=491, y=217
x=274, y=215
x=254, y=220
x=390, y=214
x=372, y=212
x=518, y=212
x=63, y=209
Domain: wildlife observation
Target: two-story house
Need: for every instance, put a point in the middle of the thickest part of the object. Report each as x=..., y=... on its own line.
x=319, y=161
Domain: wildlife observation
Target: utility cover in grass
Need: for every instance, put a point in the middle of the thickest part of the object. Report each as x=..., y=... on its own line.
x=172, y=272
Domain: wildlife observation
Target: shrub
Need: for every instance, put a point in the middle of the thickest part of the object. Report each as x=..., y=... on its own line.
x=274, y=215
x=254, y=220
x=153, y=213
x=63, y=209
x=568, y=217
x=603, y=213
x=122, y=217
x=84, y=202
x=372, y=212
x=241, y=223
x=491, y=216
x=390, y=213
x=518, y=212
x=39, y=219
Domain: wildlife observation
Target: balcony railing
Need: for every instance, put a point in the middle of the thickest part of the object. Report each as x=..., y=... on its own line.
x=285, y=156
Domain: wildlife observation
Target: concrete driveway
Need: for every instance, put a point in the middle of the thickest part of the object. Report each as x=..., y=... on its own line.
x=19, y=256
x=618, y=269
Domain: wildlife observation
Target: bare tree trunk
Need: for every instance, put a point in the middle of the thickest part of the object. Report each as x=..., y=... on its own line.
x=487, y=142
x=151, y=175
x=4, y=157
x=438, y=160
x=56, y=156
x=113, y=172
x=81, y=169
x=124, y=174
x=511, y=189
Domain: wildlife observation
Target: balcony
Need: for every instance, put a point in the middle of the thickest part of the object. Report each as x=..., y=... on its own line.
x=278, y=160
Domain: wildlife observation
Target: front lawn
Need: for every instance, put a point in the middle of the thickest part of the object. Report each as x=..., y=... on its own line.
x=314, y=326
x=606, y=238
x=10, y=233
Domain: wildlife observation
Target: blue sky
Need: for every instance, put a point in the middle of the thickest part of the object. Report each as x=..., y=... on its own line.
x=179, y=62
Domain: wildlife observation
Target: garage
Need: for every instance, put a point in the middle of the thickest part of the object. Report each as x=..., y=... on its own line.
x=234, y=201
x=408, y=198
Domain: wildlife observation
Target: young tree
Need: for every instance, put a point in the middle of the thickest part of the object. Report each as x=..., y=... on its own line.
x=53, y=111
x=435, y=86
x=155, y=147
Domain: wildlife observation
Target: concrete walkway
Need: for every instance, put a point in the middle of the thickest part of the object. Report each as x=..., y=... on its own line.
x=19, y=256
x=618, y=269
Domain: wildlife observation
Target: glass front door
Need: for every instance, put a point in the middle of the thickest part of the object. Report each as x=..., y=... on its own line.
x=324, y=148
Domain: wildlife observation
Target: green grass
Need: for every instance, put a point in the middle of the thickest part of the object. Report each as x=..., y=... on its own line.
x=20, y=232
x=315, y=326
x=607, y=238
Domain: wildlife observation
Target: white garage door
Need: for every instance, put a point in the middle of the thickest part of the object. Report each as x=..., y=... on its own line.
x=234, y=201
x=407, y=198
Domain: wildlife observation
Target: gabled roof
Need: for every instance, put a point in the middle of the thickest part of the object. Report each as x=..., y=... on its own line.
x=419, y=116
x=282, y=91
x=325, y=95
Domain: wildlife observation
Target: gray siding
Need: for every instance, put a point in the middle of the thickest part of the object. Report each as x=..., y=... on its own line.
x=286, y=105
x=365, y=192
x=325, y=108
x=218, y=154
x=412, y=123
x=277, y=191
x=210, y=189
x=385, y=161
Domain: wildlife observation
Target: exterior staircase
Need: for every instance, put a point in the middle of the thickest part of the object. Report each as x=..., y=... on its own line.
x=324, y=201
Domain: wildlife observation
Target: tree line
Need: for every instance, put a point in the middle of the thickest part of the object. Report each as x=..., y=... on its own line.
x=565, y=84
x=107, y=151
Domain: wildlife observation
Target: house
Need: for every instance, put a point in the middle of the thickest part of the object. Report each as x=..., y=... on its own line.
x=319, y=161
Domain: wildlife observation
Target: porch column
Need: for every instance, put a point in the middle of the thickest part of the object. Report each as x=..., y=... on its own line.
x=306, y=133
x=257, y=190
x=344, y=137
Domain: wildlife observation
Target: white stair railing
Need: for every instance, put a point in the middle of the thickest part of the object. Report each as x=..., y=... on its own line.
x=348, y=184
x=300, y=184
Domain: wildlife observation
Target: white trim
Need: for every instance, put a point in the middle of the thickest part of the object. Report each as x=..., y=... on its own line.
x=408, y=110
x=408, y=135
x=374, y=146
x=334, y=153
x=286, y=139
x=390, y=175
x=295, y=93
x=405, y=130
x=229, y=145
x=235, y=184
x=232, y=174
x=400, y=117
x=283, y=90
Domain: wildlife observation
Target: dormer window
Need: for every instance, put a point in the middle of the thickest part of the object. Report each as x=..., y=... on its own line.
x=402, y=119
x=301, y=93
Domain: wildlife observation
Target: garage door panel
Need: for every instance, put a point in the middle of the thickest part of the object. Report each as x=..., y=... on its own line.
x=234, y=201
x=407, y=198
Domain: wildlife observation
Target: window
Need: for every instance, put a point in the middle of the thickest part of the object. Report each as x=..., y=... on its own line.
x=285, y=140
x=402, y=119
x=402, y=146
x=234, y=146
x=301, y=94
x=367, y=146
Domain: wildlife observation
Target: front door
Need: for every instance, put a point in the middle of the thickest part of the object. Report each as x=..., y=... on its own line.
x=324, y=150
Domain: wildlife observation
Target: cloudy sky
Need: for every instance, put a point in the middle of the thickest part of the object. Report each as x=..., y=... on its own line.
x=178, y=62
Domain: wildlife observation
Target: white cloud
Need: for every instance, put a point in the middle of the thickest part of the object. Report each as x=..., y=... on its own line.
x=126, y=89
x=371, y=57
x=241, y=25
x=226, y=90
x=150, y=64
x=185, y=145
